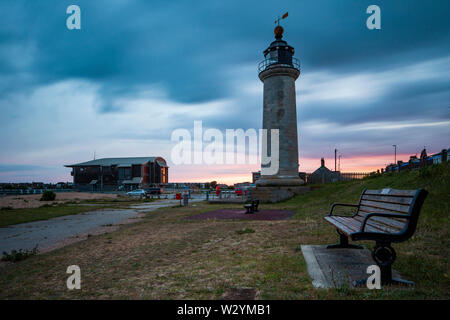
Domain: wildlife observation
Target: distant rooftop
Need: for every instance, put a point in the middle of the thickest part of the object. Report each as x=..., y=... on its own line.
x=119, y=161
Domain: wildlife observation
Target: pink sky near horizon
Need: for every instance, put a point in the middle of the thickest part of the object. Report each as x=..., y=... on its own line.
x=230, y=174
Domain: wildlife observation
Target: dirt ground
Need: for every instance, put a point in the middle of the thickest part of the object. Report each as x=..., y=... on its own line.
x=32, y=200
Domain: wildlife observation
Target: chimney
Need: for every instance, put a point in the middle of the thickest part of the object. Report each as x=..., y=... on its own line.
x=322, y=162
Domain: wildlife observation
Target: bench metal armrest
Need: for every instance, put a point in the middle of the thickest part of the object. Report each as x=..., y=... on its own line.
x=382, y=214
x=343, y=205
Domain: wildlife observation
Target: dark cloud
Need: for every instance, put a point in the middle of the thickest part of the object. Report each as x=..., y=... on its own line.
x=186, y=47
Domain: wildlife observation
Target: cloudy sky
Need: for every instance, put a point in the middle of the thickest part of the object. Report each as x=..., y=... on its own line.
x=137, y=70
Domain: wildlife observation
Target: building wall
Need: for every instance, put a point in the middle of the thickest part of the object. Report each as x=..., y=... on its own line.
x=111, y=177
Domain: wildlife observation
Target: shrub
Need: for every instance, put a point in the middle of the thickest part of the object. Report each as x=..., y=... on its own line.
x=19, y=255
x=48, y=195
x=246, y=230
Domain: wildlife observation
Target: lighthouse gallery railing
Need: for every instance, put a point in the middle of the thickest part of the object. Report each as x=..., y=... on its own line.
x=266, y=63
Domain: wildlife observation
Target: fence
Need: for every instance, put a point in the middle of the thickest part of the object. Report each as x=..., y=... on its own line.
x=31, y=191
x=332, y=176
x=347, y=176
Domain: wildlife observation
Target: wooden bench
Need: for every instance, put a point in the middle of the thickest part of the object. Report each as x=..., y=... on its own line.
x=384, y=216
x=252, y=207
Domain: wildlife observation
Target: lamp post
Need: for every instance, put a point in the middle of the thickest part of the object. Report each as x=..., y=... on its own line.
x=395, y=153
x=335, y=158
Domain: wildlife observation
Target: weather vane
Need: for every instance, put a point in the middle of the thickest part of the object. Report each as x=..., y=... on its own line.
x=284, y=16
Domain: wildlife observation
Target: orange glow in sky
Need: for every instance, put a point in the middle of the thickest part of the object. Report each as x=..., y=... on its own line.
x=231, y=174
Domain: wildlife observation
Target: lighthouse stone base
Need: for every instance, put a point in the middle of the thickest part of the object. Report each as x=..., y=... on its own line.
x=272, y=194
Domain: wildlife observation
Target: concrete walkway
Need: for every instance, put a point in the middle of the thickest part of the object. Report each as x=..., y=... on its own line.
x=48, y=233
x=333, y=268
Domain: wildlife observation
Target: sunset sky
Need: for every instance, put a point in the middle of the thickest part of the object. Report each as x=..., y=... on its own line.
x=137, y=70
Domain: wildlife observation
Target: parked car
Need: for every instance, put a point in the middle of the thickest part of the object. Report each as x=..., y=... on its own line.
x=136, y=193
x=154, y=190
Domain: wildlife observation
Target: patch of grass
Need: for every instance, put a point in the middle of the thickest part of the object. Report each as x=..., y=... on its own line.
x=47, y=211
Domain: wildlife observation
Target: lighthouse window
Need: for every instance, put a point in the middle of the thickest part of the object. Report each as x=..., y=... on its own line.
x=274, y=55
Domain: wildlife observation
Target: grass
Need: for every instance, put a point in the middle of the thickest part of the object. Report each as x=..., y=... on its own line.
x=15, y=216
x=10, y=216
x=166, y=256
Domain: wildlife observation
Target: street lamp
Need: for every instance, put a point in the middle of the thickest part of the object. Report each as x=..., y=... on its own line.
x=335, y=158
x=395, y=153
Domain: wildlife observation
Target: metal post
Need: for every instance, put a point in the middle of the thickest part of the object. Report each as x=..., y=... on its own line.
x=395, y=153
x=335, y=155
x=101, y=177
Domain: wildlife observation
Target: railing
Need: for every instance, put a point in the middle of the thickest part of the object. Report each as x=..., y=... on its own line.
x=265, y=64
x=336, y=176
x=31, y=191
x=226, y=195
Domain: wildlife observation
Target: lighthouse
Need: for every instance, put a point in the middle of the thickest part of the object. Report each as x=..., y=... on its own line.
x=278, y=71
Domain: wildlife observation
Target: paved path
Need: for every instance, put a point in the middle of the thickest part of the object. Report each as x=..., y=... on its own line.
x=47, y=233
x=337, y=267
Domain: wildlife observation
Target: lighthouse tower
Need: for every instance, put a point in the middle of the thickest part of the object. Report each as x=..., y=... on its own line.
x=278, y=71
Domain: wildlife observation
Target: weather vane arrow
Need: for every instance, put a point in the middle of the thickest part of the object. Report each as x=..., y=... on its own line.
x=284, y=16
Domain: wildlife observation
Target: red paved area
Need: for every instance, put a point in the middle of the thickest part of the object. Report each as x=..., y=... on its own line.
x=240, y=214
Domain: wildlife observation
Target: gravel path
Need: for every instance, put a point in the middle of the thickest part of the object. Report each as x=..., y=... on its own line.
x=48, y=233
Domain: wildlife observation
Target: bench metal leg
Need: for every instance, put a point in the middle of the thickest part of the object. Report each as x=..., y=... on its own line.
x=384, y=256
x=343, y=243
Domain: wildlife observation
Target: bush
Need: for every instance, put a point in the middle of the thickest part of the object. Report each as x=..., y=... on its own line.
x=246, y=230
x=15, y=255
x=48, y=195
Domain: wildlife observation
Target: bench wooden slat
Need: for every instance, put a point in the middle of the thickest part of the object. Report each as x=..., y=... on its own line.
x=338, y=223
x=354, y=225
x=391, y=222
x=386, y=224
x=386, y=206
x=368, y=209
x=396, y=224
x=371, y=226
x=392, y=192
x=350, y=225
x=365, y=211
x=388, y=199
